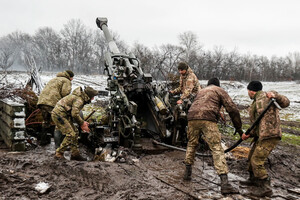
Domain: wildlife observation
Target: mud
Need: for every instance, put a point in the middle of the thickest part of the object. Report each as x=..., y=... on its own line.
x=142, y=176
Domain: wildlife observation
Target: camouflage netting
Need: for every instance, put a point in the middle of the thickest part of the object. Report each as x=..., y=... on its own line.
x=100, y=115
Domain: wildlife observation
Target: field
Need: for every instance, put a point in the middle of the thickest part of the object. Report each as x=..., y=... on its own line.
x=155, y=174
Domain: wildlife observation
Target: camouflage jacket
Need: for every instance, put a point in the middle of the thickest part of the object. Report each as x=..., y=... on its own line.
x=269, y=126
x=189, y=84
x=55, y=89
x=71, y=105
x=207, y=105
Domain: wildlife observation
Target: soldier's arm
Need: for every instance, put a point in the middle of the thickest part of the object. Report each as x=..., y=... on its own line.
x=76, y=107
x=66, y=89
x=232, y=110
x=188, y=88
x=178, y=90
x=282, y=100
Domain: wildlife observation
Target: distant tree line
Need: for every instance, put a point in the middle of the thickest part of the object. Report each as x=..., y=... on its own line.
x=82, y=50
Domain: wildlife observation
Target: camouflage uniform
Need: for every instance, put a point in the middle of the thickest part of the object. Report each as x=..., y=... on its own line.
x=68, y=109
x=189, y=85
x=56, y=88
x=202, y=120
x=267, y=134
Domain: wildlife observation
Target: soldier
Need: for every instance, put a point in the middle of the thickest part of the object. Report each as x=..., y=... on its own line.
x=266, y=136
x=63, y=114
x=202, y=121
x=55, y=89
x=189, y=84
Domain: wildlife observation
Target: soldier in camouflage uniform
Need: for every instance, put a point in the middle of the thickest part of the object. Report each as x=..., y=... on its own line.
x=189, y=83
x=55, y=89
x=203, y=116
x=63, y=114
x=266, y=136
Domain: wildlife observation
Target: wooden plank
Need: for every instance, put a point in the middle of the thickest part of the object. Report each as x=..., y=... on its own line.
x=12, y=109
x=13, y=122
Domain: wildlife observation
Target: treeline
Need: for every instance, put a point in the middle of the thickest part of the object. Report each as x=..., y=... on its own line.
x=82, y=50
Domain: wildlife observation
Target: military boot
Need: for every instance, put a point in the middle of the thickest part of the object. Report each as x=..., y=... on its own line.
x=45, y=137
x=263, y=188
x=59, y=155
x=250, y=181
x=227, y=188
x=187, y=173
x=78, y=157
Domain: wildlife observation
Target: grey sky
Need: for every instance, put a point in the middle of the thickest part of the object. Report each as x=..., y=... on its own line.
x=262, y=27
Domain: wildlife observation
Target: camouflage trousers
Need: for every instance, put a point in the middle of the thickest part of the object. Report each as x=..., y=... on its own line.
x=71, y=134
x=258, y=155
x=46, y=113
x=212, y=136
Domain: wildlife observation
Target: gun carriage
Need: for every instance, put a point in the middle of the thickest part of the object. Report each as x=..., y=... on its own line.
x=137, y=107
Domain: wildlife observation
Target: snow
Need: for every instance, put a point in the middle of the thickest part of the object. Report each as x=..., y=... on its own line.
x=19, y=123
x=236, y=90
x=20, y=114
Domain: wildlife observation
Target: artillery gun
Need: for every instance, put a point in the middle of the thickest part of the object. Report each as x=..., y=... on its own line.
x=137, y=108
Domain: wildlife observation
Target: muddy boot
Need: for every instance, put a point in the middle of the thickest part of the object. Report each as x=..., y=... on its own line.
x=250, y=181
x=226, y=188
x=58, y=138
x=187, y=173
x=78, y=157
x=45, y=137
x=263, y=188
x=59, y=155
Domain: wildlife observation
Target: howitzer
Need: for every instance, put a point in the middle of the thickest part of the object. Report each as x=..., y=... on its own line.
x=255, y=123
x=135, y=105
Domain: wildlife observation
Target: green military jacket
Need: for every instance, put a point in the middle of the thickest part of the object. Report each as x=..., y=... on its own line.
x=55, y=89
x=71, y=105
x=189, y=84
x=207, y=105
x=269, y=126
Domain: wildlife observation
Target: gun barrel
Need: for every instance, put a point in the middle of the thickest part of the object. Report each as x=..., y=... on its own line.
x=102, y=24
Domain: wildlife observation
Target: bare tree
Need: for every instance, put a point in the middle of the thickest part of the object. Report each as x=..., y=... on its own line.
x=166, y=58
x=48, y=43
x=188, y=40
x=77, y=46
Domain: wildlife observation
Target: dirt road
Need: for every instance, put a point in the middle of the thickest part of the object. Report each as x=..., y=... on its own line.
x=143, y=176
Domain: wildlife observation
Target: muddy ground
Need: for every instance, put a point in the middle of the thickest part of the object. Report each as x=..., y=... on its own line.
x=150, y=175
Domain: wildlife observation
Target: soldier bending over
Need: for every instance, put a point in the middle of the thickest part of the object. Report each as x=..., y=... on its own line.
x=202, y=121
x=63, y=114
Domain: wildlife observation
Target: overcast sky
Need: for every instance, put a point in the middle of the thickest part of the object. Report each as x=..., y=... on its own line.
x=262, y=27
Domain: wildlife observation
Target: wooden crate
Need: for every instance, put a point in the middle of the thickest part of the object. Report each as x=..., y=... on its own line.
x=12, y=124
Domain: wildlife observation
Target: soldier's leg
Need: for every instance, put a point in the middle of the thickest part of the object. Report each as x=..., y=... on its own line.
x=45, y=135
x=193, y=135
x=212, y=137
x=193, y=140
x=258, y=159
x=260, y=155
x=74, y=144
x=66, y=129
